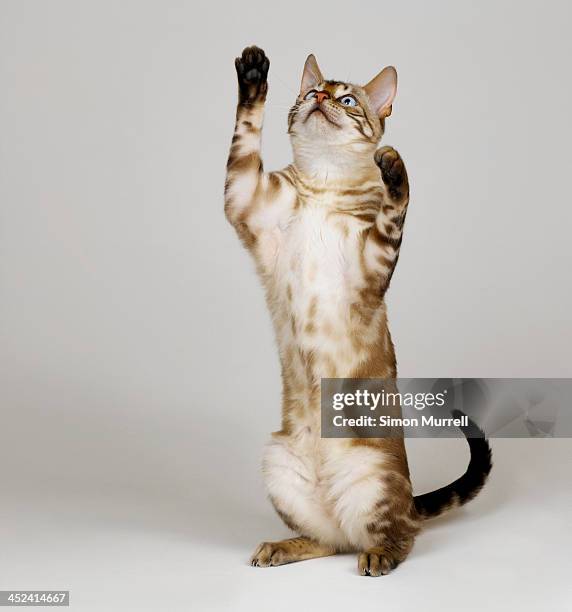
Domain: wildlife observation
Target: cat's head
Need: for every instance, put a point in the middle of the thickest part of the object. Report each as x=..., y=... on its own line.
x=338, y=113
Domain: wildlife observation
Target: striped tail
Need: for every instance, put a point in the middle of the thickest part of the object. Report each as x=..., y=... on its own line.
x=468, y=485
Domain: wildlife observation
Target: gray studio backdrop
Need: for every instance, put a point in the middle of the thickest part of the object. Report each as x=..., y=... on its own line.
x=136, y=354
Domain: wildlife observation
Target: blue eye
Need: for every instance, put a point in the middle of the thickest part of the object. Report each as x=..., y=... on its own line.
x=348, y=101
x=310, y=94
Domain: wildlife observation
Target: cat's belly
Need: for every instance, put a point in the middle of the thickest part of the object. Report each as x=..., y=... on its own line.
x=326, y=489
x=317, y=281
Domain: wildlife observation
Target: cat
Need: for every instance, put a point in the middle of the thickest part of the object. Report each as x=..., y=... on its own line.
x=325, y=234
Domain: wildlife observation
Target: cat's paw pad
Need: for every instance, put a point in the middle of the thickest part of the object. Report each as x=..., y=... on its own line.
x=393, y=171
x=268, y=554
x=252, y=70
x=375, y=563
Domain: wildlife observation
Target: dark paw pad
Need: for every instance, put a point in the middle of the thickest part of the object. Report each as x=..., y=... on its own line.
x=252, y=70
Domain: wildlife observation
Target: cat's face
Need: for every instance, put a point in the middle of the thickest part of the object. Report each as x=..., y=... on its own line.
x=334, y=112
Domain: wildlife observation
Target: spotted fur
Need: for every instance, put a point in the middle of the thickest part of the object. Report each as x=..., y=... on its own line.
x=325, y=234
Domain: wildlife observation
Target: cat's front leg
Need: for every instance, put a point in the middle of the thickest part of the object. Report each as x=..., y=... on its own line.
x=255, y=201
x=383, y=241
x=244, y=169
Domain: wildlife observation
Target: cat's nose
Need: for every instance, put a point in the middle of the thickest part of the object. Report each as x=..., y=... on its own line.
x=321, y=96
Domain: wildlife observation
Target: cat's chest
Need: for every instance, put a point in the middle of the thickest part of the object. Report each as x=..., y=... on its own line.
x=318, y=274
x=320, y=253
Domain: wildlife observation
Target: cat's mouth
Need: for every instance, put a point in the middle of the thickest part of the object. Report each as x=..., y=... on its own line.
x=324, y=114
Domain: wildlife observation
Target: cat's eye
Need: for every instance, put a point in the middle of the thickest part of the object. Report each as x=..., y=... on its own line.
x=311, y=94
x=348, y=101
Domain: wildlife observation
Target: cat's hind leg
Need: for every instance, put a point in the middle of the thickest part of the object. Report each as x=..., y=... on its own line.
x=270, y=554
x=391, y=529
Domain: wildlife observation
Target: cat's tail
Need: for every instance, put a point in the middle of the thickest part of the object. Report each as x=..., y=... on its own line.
x=468, y=485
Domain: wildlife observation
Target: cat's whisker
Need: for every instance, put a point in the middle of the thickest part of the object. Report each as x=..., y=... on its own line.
x=284, y=84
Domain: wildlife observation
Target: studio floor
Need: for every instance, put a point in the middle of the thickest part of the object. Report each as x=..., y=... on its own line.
x=121, y=548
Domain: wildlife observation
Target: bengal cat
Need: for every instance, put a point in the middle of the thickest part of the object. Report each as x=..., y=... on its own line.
x=325, y=235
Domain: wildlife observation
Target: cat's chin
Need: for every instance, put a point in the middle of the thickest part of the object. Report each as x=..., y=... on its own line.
x=318, y=128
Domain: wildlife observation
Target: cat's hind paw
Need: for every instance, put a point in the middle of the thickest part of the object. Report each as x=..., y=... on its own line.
x=374, y=562
x=288, y=551
x=268, y=554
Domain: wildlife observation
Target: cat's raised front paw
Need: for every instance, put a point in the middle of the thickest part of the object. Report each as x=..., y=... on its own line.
x=393, y=172
x=252, y=70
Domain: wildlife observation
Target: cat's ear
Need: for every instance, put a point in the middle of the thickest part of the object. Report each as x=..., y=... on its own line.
x=381, y=91
x=311, y=75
